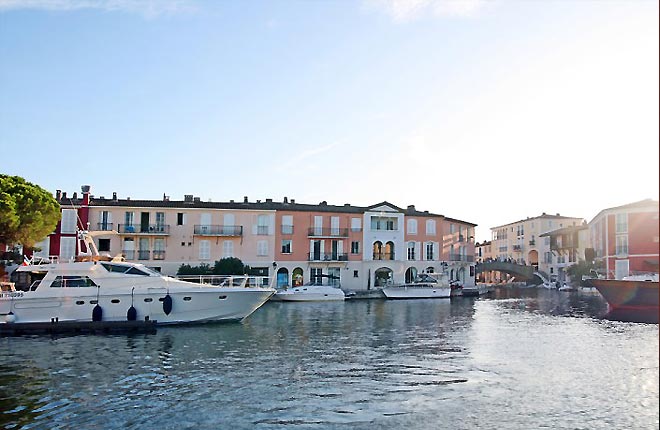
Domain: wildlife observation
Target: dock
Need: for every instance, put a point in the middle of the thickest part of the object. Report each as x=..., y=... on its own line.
x=78, y=327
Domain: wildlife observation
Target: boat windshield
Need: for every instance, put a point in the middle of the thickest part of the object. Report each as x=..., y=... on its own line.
x=129, y=270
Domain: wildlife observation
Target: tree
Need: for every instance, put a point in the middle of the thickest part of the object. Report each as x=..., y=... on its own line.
x=230, y=266
x=28, y=213
x=582, y=268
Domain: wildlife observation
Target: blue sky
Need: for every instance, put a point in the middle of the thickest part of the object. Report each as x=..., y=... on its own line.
x=485, y=111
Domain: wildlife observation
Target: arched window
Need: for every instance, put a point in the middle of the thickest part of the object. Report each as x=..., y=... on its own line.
x=378, y=250
x=389, y=251
x=297, y=278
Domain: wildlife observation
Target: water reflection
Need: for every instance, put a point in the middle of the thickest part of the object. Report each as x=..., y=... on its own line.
x=515, y=359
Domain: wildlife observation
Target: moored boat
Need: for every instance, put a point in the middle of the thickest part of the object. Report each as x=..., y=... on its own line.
x=314, y=291
x=632, y=293
x=425, y=286
x=95, y=288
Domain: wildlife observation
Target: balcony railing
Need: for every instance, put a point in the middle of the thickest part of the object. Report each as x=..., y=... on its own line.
x=287, y=229
x=332, y=256
x=532, y=243
x=517, y=248
x=327, y=232
x=218, y=230
x=158, y=255
x=129, y=255
x=383, y=256
x=459, y=257
x=158, y=229
x=144, y=255
x=104, y=226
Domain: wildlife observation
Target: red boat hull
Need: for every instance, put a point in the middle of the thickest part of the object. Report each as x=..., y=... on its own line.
x=628, y=295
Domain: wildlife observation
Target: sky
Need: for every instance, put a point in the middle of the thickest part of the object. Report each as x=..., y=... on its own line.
x=483, y=111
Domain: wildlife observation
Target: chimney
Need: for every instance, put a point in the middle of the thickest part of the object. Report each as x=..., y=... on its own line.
x=58, y=195
x=197, y=199
x=188, y=198
x=231, y=201
x=557, y=213
x=323, y=203
x=114, y=196
x=411, y=207
x=85, y=189
x=269, y=200
x=293, y=201
x=245, y=200
x=286, y=200
x=75, y=195
x=63, y=195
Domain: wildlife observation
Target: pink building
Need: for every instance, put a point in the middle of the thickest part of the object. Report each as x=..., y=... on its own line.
x=625, y=238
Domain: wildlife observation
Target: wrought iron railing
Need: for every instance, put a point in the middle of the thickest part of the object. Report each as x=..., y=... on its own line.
x=218, y=230
x=327, y=256
x=327, y=232
x=104, y=226
x=144, y=228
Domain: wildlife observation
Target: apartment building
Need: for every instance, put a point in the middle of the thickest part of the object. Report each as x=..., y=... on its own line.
x=522, y=242
x=358, y=247
x=625, y=238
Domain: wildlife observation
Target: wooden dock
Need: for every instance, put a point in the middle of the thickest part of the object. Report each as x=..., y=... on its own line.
x=78, y=327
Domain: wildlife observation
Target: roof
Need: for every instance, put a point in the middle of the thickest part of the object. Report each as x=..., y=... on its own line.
x=267, y=205
x=565, y=230
x=542, y=216
x=646, y=203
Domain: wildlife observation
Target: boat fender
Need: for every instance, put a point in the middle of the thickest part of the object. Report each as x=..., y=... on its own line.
x=131, y=315
x=97, y=313
x=10, y=317
x=167, y=304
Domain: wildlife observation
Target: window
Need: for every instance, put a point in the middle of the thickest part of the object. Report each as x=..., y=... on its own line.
x=262, y=248
x=69, y=220
x=159, y=249
x=67, y=248
x=128, y=222
x=180, y=218
x=355, y=273
x=334, y=226
x=378, y=250
x=286, y=246
x=104, y=245
x=262, y=225
x=622, y=223
x=621, y=244
x=356, y=224
x=382, y=223
x=430, y=227
x=72, y=282
x=287, y=224
x=452, y=229
x=227, y=249
x=429, y=251
x=412, y=226
x=355, y=247
x=105, y=221
x=411, y=251
x=204, y=250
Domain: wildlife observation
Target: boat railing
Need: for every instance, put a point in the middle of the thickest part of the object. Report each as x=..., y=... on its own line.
x=245, y=281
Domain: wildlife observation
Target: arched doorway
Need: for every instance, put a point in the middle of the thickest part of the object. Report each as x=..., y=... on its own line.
x=411, y=274
x=282, y=277
x=297, y=277
x=378, y=250
x=533, y=258
x=383, y=276
x=389, y=251
x=460, y=275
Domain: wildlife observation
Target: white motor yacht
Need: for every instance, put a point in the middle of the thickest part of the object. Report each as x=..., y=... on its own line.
x=425, y=286
x=96, y=288
x=314, y=291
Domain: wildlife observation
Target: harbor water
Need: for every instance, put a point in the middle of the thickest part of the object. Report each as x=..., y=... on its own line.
x=517, y=359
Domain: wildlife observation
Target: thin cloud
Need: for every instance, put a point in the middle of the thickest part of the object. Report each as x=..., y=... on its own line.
x=146, y=8
x=307, y=154
x=410, y=10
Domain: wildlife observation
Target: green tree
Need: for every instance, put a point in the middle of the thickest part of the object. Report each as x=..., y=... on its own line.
x=28, y=213
x=230, y=266
x=187, y=269
x=582, y=268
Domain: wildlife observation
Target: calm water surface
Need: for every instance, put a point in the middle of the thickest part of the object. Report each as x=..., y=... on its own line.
x=517, y=360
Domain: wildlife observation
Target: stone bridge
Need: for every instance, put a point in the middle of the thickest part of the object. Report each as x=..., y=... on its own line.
x=524, y=273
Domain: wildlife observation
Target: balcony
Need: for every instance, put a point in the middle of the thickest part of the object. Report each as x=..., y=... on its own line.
x=104, y=226
x=383, y=256
x=327, y=232
x=144, y=229
x=332, y=256
x=517, y=248
x=159, y=255
x=218, y=230
x=459, y=257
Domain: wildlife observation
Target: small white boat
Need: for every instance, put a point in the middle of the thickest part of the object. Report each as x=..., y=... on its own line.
x=314, y=291
x=310, y=293
x=95, y=288
x=425, y=286
x=476, y=290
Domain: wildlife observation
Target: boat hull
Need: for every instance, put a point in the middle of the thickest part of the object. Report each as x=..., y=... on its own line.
x=417, y=292
x=310, y=294
x=201, y=304
x=628, y=294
